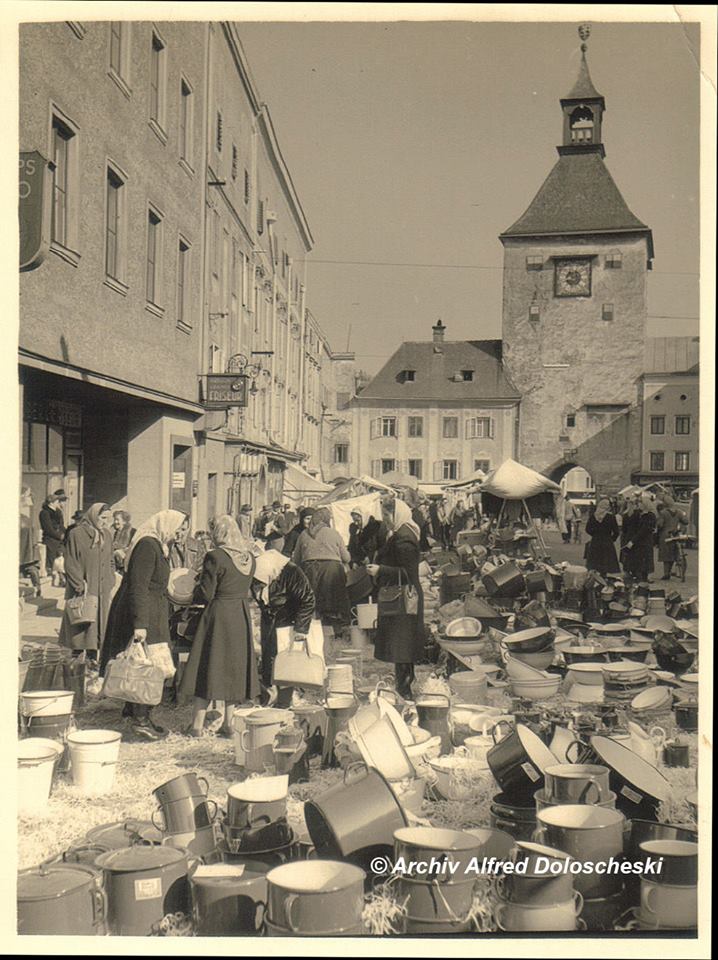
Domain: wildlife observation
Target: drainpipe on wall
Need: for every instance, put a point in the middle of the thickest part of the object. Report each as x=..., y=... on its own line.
x=302, y=362
x=287, y=368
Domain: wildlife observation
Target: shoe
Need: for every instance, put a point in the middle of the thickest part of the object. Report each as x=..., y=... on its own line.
x=127, y=710
x=144, y=730
x=157, y=728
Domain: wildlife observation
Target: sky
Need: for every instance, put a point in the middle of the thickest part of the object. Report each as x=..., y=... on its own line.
x=414, y=145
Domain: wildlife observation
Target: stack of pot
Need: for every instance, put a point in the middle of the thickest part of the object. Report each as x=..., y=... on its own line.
x=255, y=827
x=49, y=714
x=186, y=814
x=438, y=882
x=534, y=898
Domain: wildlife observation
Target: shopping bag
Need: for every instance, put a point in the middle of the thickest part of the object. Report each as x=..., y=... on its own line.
x=132, y=676
x=161, y=655
x=296, y=663
x=82, y=610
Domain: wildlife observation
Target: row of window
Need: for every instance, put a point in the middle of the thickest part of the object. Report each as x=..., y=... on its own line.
x=442, y=469
x=612, y=261
x=682, y=426
x=409, y=376
x=681, y=460
x=607, y=312
x=475, y=428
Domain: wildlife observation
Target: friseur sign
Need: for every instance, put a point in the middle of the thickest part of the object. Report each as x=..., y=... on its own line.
x=223, y=390
x=34, y=211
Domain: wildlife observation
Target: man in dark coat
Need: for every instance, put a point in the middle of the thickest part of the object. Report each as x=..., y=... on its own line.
x=52, y=524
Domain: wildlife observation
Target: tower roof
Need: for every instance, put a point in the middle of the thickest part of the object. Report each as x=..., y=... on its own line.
x=578, y=196
x=583, y=88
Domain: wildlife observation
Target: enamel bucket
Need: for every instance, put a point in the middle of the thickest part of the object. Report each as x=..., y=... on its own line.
x=35, y=766
x=367, y=614
x=93, y=759
x=315, y=896
x=257, y=739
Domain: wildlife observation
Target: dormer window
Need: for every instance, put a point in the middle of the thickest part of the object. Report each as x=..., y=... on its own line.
x=467, y=375
x=581, y=122
x=407, y=376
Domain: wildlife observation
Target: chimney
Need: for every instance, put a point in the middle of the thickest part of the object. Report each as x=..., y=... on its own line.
x=438, y=330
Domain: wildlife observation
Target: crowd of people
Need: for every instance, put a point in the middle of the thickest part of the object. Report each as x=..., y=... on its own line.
x=294, y=568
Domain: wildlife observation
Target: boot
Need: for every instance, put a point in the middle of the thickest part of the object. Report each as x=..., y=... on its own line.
x=667, y=571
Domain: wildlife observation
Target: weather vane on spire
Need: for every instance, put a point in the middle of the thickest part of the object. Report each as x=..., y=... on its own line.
x=584, y=32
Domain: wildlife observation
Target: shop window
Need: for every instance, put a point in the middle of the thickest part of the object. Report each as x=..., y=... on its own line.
x=658, y=460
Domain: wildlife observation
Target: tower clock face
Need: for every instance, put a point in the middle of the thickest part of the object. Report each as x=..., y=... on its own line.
x=573, y=278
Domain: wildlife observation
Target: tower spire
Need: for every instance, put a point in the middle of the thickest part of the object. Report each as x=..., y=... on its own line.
x=583, y=108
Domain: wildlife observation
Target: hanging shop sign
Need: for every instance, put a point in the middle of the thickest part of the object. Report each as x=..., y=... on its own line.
x=34, y=211
x=223, y=390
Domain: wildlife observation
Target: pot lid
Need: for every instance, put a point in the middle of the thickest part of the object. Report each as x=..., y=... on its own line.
x=651, y=698
x=609, y=627
x=135, y=858
x=118, y=834
x=632, y=768
x=53, y=880
x=534, y=746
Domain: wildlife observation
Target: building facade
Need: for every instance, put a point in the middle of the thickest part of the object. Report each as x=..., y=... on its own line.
x=177, y=253
x=574, y=308
x=111, y=320
x=669, y=396
x=437, y=410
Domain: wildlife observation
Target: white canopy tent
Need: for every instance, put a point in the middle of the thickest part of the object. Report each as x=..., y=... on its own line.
x=512, y=482
x=301, y=487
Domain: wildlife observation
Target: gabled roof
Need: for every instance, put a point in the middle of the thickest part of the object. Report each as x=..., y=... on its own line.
x=435, y=372
x=578, y=196
x=583, y=88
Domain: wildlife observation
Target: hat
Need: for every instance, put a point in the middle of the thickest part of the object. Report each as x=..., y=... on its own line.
x=78, y=515
x=59, y=495
x=276, y=503
x=246, y=508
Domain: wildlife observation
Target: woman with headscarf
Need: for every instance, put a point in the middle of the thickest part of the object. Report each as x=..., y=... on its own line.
x=322, y=556
x=671, y=520
x=399, y=639
x=140, y=609
x=603, y=530
x=290, y=541
x=89, y=570
x=285, y=599
x=29, y=553
x=639, y=549
x=122, y=535
x=222, y=665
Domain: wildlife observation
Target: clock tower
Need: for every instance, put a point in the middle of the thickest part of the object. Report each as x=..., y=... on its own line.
x=574, y=306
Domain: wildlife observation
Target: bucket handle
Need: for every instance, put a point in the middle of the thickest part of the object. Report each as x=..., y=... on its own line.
x=353, y=766
x=288, y=904
x=99, y=905
x=155, y=824
x=498, y=726
x=583, y=751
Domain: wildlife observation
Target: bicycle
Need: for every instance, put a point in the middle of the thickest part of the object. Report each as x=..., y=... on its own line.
x=681, y=561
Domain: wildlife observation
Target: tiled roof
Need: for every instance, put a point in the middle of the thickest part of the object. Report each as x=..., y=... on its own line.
x=578, y=196
x=435, y=372
x=583, y=88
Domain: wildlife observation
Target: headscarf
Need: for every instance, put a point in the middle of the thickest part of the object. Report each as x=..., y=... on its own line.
x=403, y=518
x=227, y=536
x=91, y=522
x=160, y=526
x=603, y=508
x=647, y=504
x=269, y=565
x=321, y=518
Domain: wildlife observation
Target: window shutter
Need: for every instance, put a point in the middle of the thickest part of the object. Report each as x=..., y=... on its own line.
x=372, y=429
x=375, y=468
x=437, y=470
x=491, y=427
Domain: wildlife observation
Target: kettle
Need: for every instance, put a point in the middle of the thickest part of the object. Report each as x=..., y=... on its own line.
x=646, y=744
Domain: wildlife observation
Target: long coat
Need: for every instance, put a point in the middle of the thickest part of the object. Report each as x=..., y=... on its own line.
x=600, y=550
x=141, y=603
x=91, y=564
x=222, y=665
x=640, y=556
x=291, y=603
x=669, y=523
x=52, y=524
x=400, y=639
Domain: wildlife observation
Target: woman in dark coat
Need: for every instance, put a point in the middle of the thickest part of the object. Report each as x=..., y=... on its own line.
x=322, y=556
x=222, y=664
x=640, y=547
x=290, y=541
x=29, y=554
x=603, y=531
x=140, y=609
x=89, y=568
x=285, y=599
x=399, y=639
x=122, y=535
x=52, y=524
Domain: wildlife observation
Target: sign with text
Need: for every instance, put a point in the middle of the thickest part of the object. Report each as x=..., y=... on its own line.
x=223, y=390
x=34, y=211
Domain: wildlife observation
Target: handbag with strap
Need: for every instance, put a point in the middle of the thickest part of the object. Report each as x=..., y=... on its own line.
x=133, y=677
x=82, y=610
x=297, y=667
x=401, y=600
